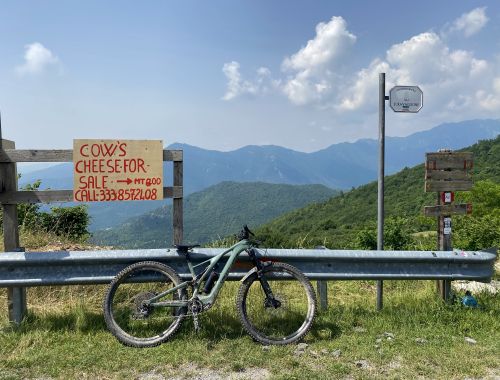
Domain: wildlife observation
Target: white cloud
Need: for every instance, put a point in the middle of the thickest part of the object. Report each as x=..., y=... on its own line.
x=470, y=23
x=490, y=101
x=37, y=59
x=449, y=78
x=312, y=66
x=237, y=86
x=457, y=84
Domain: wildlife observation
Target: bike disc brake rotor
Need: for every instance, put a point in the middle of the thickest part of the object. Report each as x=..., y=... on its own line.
x=142, y=310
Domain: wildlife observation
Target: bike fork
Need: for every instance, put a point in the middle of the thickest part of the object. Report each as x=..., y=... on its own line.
x=270, y=300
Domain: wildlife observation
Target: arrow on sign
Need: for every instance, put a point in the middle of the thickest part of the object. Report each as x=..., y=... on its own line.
x=128, y=181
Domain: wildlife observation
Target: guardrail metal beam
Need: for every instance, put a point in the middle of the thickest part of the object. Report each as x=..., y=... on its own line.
x=99, y=267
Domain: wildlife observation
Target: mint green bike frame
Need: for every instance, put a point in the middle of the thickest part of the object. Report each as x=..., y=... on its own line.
x=206, y=299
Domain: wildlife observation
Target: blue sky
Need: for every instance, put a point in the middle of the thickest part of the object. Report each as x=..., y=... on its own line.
x=224, y=74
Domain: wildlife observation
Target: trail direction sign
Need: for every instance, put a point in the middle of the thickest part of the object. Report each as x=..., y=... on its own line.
x=406, y=99
x=117, y=170
x=448, y=171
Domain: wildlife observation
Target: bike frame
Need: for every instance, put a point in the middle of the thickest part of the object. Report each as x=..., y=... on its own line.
x=206, y=299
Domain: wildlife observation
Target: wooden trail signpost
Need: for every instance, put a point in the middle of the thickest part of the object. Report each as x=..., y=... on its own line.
x=445, y=173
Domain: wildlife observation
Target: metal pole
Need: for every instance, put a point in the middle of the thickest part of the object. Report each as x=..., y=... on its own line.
x=381, y=169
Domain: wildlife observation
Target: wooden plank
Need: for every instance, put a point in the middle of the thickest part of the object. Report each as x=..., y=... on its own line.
x=16, y=297
x=445, y=175
x=448, y=185
x=53, y=196
x=178, y=223
x=36, y=155
x=449, y=164
x=442, y=210
x=172, y=155
x=449, y=155
x=449, y=160
x=173, y=192
x=61, y=155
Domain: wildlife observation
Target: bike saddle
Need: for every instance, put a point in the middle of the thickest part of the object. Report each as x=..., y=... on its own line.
x=184, y=248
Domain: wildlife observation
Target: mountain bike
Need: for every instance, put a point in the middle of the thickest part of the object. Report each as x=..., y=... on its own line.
x=146, y=302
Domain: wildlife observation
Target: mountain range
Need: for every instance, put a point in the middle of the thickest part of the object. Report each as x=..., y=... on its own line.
x=340, y=166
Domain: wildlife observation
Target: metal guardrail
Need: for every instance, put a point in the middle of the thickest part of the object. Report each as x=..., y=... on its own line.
x=99, y=267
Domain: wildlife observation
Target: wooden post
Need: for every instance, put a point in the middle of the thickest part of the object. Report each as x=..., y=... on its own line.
x=16, y=297
x=178, y=224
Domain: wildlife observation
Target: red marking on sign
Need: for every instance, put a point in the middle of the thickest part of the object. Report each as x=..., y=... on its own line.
x=446, y=199
x=128, y=181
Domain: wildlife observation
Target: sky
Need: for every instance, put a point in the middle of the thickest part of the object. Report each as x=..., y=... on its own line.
x=225, y=74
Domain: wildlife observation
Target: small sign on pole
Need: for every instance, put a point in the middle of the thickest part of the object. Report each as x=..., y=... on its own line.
x=117, y=170
x=406, y=99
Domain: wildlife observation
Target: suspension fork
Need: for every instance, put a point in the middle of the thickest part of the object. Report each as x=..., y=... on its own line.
x=270, y=300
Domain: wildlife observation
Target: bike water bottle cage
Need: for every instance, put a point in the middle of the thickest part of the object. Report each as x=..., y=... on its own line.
x=185, y=248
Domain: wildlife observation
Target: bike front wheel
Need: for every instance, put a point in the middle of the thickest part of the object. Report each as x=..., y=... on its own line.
x=288, y=316
x=127, y=313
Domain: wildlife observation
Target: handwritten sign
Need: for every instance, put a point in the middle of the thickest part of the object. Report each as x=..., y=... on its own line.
x=117, y=170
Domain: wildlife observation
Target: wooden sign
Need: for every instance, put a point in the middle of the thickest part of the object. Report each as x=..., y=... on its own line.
x=448, y=171
x=117, y=170
x=450, y=209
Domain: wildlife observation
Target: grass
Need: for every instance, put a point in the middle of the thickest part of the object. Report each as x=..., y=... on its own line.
x=64, y=336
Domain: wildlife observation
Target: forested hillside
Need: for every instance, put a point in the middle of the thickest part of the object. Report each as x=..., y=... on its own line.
x=348, y=220
x=214, y=213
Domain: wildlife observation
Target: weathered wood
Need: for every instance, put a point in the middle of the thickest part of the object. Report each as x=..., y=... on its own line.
x=445, y=175
x=51, y=196
x=35, y=155
x=448, y=185
x=61, y=155
x=173, y=192
x=450, y=209
x=16, y=297
x=449, y=160
x=177, y=206
x=449, y=155
x=172, y=155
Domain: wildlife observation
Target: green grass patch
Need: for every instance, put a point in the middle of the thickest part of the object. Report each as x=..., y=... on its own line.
x=64, y=336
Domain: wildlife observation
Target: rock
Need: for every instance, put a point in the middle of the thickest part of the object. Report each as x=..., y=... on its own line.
x=359, y=329
x=389, y=335
x=302, y=346
x=336, y=354
x=324, y=351
x=477, y=287
x=314, y=354
x=266, y=348
x=363, y=364
x=470, y=340
x=378, y=340
x=420, y=340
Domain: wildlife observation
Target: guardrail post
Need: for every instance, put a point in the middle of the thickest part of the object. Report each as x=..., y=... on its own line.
x=322, y=289
x=323, y=294
x=177, y=205
x=16, y=297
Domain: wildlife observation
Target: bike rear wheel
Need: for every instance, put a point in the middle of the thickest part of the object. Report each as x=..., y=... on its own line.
x=128, y=316
x=283, y=322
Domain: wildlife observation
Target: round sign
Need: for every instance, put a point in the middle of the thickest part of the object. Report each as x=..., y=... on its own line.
x=406, y=99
